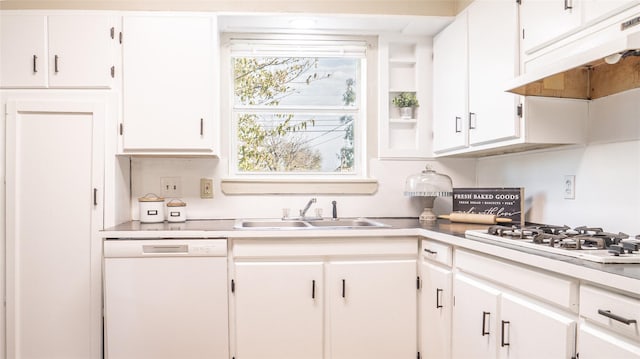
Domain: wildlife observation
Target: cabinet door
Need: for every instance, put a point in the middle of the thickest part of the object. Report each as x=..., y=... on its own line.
x=80, y=51
x=525, y=325
x=450, y=87
x=168, y=82
x=373, y=309
x=475, y=331
x=279, y=310
x=54, y=179
x=595, y=343
x=493, y=62
x=544, y=20
x=23, y=54
x=435, y=311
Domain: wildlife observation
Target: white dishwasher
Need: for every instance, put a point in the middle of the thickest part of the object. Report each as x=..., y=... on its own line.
x=165, y=299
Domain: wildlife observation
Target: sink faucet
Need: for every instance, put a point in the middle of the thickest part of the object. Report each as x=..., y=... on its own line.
x=303, y=212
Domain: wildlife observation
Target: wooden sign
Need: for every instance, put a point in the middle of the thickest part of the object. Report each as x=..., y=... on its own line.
x=502, y=202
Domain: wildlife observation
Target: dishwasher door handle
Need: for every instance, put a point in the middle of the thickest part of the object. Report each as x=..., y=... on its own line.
x=153, y=249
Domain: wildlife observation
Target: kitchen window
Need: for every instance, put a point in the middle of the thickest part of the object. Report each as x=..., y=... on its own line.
x=298, y=107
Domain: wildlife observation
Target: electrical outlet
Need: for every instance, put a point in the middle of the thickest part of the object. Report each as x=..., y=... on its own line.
x=206, y=188
x=170, y=187
x=569, y=187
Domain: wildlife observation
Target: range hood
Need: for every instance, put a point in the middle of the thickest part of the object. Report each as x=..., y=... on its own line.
x=592, y=64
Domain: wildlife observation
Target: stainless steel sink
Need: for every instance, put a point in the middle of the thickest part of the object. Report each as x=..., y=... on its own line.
x=277, y=224
x=347, y=223
x=269, y=224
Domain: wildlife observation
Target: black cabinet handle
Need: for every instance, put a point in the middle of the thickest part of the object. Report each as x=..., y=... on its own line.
x=484, y=323
x=343, y=289
x=95, y=196
x=55, y=63
x=313, y=289
x=430, y=251
x=458, y=124
x=438, y=295
x=201, y=126
x=567, y=6
x=35, y=64
x=472, y=120
x=502, y=341
x=608, y=314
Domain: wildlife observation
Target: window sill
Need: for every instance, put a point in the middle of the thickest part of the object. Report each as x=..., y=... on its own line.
x=235, y=186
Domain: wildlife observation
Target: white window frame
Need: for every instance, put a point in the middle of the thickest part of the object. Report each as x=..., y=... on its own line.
x=308, y=46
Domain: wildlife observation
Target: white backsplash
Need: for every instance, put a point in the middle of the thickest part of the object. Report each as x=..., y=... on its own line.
x=607, y=170
x=388, y=201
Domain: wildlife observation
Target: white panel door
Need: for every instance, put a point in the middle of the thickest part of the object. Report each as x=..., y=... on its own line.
x=168, y=84
x=373, y=309
x=543, y=20
x=450, y=93
x=595, y=343
x=493, y=63
x=435, y=310
x=80, y=51
x=531, y=331
x=279, y=310
x=54, y=211
x=23, y=50
x=476, y=331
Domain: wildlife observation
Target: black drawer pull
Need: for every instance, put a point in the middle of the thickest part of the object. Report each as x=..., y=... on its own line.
x=438, y=295
x=343, y=289
x=35, y=64
x=313, y=289
x=608, y=314
x=484, y=323
x=430, y=251
x=502, y=341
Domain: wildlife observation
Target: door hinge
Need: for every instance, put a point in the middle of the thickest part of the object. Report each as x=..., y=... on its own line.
x=418, y=282
x=519, y=2
x=233, y=286
x=519, y=110
x=121, y=129
x=113, y=32
x=113, y=71
x=523, y=34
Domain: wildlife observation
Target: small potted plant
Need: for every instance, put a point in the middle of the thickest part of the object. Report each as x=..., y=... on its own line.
x=406, y=101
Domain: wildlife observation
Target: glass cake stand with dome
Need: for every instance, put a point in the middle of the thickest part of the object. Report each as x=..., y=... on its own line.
x=428, y=185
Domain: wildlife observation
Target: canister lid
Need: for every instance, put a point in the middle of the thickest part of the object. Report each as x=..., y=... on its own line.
x=176, y=203
x=151, y=197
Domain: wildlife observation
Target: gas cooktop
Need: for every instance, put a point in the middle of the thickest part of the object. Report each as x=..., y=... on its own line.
x=588, y=243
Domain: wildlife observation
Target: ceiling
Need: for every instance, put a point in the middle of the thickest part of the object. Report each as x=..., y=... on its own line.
x=334, y=23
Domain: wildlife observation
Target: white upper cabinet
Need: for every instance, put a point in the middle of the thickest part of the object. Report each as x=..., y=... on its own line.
x=474, y=59
x=543, y=20
x=493, y=62
x=450, y=86
x=168, y=84
x=57, y=51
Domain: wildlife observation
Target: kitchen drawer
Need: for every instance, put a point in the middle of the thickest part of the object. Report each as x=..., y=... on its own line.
x=543, y=285
x=437, y=252
x=610, y=310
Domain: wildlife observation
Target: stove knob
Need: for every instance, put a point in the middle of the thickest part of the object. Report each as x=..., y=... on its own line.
x=631, y=246
x=616, y=249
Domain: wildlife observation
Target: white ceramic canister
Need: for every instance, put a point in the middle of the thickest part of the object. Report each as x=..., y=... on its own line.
x=151, y=208
x=176, y=211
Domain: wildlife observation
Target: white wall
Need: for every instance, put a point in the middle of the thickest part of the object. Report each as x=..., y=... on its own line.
x=607, y=170
x=387, y=201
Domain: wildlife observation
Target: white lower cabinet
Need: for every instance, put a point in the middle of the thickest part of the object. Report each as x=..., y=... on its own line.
x=596, y=343
x=490, y=323
x=279, y=309
x=435, y=310
x=347, y=298
x=372, y=309
x=609, y=324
